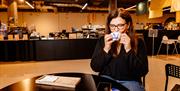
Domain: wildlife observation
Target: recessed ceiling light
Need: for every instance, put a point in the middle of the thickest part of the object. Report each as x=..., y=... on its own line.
x=85, y=5
x=29, y=4
x=21, y=0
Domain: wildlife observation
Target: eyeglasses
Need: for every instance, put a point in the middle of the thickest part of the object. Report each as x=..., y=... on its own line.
x=119, y=26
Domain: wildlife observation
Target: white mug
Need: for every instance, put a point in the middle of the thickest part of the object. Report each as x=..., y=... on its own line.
x=115, y=36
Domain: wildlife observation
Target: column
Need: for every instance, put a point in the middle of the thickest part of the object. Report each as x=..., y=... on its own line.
x=112, y=5
x=12, y=12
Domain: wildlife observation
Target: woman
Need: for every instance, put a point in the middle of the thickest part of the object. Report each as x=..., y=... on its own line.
x=3, y=28
x=123, y=60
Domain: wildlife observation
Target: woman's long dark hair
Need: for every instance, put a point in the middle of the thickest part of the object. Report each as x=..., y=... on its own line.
x=130, y=32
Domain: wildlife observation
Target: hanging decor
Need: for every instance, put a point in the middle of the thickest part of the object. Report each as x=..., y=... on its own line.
x=178, y=16
x=142, y=8
x=175, y=5
x=155, y=13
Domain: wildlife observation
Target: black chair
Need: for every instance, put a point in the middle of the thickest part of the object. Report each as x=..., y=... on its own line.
x=143, y=81
x=173, y=71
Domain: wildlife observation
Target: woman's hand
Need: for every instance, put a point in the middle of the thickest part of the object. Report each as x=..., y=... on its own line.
x=108, y=41
x=125, y=40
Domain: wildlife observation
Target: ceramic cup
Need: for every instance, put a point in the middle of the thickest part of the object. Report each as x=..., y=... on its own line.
x=115, y=36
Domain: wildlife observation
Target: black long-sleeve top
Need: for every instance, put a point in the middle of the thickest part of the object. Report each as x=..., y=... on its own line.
x=128, y=66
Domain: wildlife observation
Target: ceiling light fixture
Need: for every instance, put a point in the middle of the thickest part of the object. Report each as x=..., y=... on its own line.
x=85, y=5
x=131, y=7
x=29, y=4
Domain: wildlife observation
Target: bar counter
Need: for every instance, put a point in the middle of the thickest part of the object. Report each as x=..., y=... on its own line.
x=23, y=50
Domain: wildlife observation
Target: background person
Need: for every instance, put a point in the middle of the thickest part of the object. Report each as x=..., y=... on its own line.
x=3, y=28
x=34, y=34
x=124, y=60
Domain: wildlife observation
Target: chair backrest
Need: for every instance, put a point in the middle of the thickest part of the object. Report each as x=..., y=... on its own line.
x=164, y=37
x=173, y=71
x=165, y=40
x=179, y=37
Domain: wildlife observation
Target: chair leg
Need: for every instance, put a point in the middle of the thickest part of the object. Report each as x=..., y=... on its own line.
x=175, y=48
x=166, y=84
x=159, y=48
x=167, y=48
